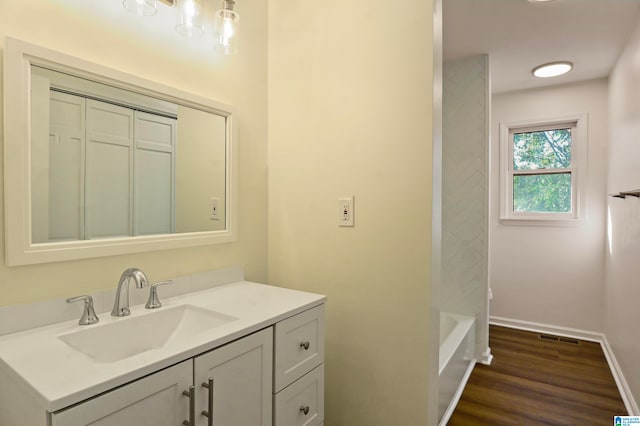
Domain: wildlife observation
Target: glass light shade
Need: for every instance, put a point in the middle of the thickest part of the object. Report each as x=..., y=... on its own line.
x=552, y=69
x=189, y=18
x=141, y=7
x=225, y=31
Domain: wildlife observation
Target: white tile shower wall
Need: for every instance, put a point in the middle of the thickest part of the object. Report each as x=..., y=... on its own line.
x=14, y=318
x=464, y=189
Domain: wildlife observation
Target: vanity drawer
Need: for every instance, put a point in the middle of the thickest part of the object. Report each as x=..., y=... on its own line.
x=299, y=346
x=303, y=396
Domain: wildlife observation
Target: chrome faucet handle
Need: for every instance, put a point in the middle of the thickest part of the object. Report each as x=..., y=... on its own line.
x=153, y=301
x=88, y=314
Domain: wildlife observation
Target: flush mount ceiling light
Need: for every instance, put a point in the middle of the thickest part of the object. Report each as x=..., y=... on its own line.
x=552, y=69
x=190, y=20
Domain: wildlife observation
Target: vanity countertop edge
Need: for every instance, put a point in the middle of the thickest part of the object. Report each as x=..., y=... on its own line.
x=57, y=376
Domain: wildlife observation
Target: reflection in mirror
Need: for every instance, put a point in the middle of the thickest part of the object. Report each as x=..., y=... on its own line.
x=107, y=163
x=101, y=163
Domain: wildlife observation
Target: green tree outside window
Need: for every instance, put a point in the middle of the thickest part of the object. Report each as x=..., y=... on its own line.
x=550, y=190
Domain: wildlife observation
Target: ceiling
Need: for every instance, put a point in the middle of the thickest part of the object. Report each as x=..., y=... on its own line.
x=519, y=35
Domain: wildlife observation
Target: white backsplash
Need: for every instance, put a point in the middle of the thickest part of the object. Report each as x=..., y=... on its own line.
x=16, y=318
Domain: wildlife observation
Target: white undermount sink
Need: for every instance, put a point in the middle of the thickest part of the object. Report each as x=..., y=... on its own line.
x=128, y=336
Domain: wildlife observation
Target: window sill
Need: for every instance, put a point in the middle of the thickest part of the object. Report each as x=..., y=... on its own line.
x=540, y=221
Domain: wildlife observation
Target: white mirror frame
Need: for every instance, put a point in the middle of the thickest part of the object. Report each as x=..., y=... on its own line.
x=19, y=250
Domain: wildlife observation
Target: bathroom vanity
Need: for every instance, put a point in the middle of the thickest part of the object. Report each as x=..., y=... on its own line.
x=233, y=353
x=238, y=354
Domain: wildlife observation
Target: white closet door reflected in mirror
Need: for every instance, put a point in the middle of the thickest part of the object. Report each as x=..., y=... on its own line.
x=101, y=163
x=110, y=170
x=154, y=174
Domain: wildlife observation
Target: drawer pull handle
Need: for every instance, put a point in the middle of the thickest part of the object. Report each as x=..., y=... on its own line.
x=209, y=413
x=191, y=394
x=304, y=345
x=304, y=409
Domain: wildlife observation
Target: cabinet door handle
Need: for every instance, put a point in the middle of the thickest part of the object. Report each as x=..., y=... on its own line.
x=191, y=394
x=305, y=345
x=304, y=409
x=209, y=413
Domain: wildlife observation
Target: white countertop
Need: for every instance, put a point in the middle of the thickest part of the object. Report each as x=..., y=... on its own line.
x=58, y=375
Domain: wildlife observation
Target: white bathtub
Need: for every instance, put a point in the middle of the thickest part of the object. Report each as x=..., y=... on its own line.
x=457, y=358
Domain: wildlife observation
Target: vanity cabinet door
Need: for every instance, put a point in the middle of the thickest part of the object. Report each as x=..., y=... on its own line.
x=241, y=373
x=155, y=400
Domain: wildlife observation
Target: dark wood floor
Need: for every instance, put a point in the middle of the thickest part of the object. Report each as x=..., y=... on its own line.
x=533, y=381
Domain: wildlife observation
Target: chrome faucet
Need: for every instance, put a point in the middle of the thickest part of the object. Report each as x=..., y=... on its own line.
x=121, y=304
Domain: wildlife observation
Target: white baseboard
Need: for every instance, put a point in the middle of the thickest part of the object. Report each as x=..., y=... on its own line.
x=537, y=327
x=456, y=396
x=591, y=336
x=625, y=392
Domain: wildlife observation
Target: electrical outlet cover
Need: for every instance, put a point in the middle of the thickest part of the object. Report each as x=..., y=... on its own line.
x=214, y=206
x=345, y=211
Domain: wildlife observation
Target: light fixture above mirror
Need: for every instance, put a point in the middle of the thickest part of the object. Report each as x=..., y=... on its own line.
x=190, y=20
x=141, y=7
x=225, y=29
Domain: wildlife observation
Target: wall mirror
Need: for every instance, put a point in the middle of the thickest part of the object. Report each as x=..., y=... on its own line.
x=99, y=162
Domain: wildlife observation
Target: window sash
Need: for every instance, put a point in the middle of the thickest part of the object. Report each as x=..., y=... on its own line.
x=577, y=125
x=571, y=125
x=540, y=155
x=572, y=206
x=542, y=171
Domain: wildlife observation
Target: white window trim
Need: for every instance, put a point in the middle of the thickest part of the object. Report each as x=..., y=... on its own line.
x=579, y=148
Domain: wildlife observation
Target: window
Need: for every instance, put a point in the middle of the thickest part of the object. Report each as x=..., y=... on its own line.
x=541, y=171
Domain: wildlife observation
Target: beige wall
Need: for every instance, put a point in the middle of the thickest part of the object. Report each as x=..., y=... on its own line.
x=350, y=113
x=200, y=160
x=103, y=32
